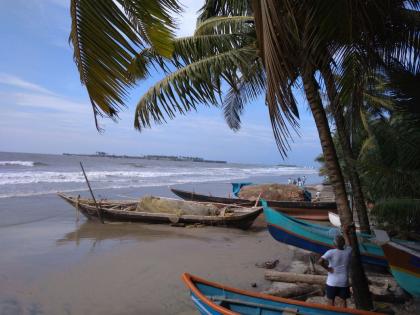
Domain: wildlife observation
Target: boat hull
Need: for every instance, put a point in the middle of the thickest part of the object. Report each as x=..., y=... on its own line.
x=405, y=266
x=243, y=220
x=214, y=298
x=316, y=238
x=317, y=211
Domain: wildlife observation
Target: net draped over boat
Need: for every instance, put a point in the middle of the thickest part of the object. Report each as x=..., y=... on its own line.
x=272, y=192
x=178, y=207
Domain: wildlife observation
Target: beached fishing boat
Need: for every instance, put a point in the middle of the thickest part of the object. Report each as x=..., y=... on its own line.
x=317, y=211
x=405, y=266
x=404, y=262
x=214, y=298
x=166, y=210
x=316, y=238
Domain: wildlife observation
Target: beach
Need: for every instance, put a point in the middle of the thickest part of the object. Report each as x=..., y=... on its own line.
x=125, y=268
x=51, y=264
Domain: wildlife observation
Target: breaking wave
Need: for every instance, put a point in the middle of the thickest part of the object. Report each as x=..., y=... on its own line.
x=37, y=182
x=185, y=175
x=19, y=163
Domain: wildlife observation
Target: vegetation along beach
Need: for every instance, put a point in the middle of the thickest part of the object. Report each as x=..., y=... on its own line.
x=210, y=157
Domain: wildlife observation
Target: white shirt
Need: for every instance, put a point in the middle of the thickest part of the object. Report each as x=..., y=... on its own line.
x=339, y=261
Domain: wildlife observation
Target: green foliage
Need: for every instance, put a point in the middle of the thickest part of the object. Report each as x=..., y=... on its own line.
x=106, y=34
x=402, y=215
x=389, y=162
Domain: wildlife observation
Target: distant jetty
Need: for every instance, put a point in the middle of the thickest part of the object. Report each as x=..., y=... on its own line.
x=150, y=157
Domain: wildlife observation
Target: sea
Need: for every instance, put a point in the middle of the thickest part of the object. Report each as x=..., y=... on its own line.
x=54, y=262
x=27, y=174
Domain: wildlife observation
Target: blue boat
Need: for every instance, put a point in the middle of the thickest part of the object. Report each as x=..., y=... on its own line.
x=405, y=266
x=213, y=298
x=403, y=260
x=316, y=238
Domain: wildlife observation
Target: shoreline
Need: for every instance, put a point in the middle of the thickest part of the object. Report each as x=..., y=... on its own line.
x=53, y=265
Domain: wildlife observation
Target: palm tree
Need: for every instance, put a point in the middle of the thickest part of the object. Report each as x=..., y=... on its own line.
x=193, y=84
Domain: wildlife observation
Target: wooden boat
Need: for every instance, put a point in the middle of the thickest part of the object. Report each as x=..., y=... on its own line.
x=317, y=211
x=404, y=262
x=316, y=238
x=182, y=212
x=214, y=298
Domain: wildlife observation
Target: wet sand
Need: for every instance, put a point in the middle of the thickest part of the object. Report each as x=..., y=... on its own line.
x=141, y=274
x=52, y=265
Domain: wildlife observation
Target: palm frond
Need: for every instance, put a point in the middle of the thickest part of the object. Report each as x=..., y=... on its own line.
x=106, y=35
x=186, y=50
x=195, y=83
x=212, y=8
x=250, y=86
x=225, y=25
x=278, y=47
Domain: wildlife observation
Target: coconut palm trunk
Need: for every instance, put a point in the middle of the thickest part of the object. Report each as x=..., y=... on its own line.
x=348, y=154
x=358, y=278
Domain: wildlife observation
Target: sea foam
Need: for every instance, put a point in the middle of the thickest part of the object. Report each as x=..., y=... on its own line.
x=20, y=163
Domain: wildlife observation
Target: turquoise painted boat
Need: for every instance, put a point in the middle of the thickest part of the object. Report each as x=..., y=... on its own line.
x=316, y=238
x=213, y=298
x=405, y=266
x=403, y=260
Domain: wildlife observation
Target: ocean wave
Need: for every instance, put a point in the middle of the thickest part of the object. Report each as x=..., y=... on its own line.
x=114, y=186
x=36, y=182
x=18, y=163
x=174, y=174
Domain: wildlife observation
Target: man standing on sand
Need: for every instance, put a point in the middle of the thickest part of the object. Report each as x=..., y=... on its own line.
x=337, y=263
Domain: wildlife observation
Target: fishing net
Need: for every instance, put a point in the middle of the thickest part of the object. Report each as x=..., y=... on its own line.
x=272, y=192
x=177, y=207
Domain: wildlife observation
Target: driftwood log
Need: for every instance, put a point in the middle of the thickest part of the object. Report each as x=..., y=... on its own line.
x=296, y=291
x=294, y=277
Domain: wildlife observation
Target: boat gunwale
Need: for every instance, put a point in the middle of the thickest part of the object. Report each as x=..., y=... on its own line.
x=309, y=205
x=318, y=242
x=190, y=281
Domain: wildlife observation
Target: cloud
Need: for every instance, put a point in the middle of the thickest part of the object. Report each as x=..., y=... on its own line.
x=11, y=80
x=34, y=96
x=44, y=101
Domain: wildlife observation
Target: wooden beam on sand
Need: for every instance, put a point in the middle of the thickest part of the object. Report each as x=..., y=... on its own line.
x=291, y=277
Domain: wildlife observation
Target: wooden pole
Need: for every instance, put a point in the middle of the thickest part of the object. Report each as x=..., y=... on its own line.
x=93, y=197
x=77, y=208
x=258, y=200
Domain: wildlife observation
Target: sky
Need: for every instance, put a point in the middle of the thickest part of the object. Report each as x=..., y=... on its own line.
x=45, y=109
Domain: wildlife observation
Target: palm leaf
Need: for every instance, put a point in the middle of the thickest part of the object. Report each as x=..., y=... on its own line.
x=212, y=8
x=195, y=83
x=106, y=34
x=249, y=87
x=225, y=25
